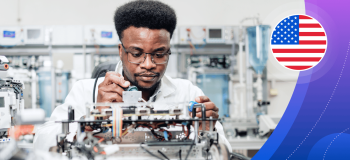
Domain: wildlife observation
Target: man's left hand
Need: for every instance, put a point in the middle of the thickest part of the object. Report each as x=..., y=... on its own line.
x=211, y=111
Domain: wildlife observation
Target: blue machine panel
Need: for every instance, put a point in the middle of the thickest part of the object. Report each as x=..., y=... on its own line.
x=215, y=86
x=105, y=34
x=9, y=34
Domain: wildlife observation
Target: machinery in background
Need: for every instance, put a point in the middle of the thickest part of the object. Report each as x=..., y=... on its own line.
x=11, y=99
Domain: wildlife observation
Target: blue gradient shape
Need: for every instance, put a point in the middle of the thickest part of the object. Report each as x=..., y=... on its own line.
x=327, y=84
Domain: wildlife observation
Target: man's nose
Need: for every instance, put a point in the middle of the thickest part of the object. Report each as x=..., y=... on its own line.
x=148, y=64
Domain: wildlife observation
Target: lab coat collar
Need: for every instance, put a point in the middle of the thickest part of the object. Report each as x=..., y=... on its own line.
x=167, y=87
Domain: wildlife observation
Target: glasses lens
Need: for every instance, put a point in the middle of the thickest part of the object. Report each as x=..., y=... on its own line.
x=160, y=58
x=136, y=57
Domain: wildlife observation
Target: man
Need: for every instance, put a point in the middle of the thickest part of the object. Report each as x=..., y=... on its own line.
x=145, y=29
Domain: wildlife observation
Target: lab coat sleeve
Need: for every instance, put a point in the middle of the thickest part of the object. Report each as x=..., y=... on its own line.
x=218, y=126
x=45, y=135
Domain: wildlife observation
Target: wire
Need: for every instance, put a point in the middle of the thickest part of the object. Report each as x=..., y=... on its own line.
x=98, y=75
x=148, y=151
x=180, y=155
x=163, y=155
x=189, y=151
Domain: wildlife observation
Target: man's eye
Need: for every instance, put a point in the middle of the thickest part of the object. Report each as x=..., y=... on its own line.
x=159, y=55
x=136, y=54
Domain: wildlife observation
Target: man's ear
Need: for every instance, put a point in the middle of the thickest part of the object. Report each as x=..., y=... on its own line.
x=120, y=50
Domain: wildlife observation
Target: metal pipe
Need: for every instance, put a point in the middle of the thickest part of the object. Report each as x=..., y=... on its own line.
x=196, y=128
x=53, y=75
x=65, y=128
x=211, y=124
x=204, y=116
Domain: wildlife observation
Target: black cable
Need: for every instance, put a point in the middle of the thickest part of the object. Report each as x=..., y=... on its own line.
x=148, y=151
x=180, y=155
x=163, y=155
x=189, y=151
x=239, y=156
x=98, y=76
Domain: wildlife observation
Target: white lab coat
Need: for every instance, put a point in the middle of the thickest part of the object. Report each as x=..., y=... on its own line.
x=171, y=90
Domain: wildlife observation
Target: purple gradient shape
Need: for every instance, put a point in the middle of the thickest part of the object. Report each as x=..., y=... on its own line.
x=324, y=85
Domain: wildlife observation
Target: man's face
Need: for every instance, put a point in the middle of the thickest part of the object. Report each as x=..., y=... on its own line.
x=147, y=74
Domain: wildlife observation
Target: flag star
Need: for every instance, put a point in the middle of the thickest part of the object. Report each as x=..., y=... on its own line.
x=295, y=23
x=278, y=38
x=285, y=20
x=281, y=35
x=281, y=23
x=291, y=20
x=281, y=41
x=274, y=35
x=285, y=38
x=292, y=38
x=288, y=41
x=281, y=29
x=278, y=32
x=288, y=29
x=295, y=29
x=285, y=26
x=295, y=17
x=295, y=35
x=288, y=23
x=292, y=26
x=278, y=26
x=288, y=35
x=275, y=41
x=285, y=32
x=292, y=32
x=295, y=41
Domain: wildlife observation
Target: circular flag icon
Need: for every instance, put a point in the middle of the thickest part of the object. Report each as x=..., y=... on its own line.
x=299, y=42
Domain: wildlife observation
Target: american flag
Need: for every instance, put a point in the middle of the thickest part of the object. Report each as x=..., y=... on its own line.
x=299, y=42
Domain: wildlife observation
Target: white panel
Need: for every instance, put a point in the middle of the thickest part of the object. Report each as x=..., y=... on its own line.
x=67, y=35
x=196, y=34
x=34, y=34
x=101, y=35
x=11, y=36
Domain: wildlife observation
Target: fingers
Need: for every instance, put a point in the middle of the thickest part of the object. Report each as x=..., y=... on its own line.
x=209, y=106
x=202, y=99
x=108, y=97
x=209, y=113
x=112, y=88
x=113, y=77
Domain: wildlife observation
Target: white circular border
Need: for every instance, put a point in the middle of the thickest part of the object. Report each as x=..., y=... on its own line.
x=298, y=31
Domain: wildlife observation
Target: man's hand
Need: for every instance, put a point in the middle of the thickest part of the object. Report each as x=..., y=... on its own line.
x=211, y=110
x=111, y=89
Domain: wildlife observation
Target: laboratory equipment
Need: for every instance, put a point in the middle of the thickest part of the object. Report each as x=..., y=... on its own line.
x=34, y=35
x=11, y=36
x=45, y=89
x=11, y=98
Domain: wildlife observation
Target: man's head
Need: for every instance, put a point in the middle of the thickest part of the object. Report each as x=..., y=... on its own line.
x=144, y=27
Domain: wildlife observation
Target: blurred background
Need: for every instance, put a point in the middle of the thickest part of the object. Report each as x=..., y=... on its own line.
x=221, y=46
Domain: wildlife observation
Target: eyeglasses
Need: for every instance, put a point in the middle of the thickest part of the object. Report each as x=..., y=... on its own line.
x=138, y=57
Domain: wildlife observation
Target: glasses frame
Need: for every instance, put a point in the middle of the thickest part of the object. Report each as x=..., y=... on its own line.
x=144, y=58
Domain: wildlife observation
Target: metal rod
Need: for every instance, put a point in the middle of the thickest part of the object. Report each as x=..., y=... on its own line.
x=211, y=124
x=203, y=117
x=196, y=128
x=53, y=75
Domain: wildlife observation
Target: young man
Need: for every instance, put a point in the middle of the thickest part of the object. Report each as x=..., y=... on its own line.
x=145, y=29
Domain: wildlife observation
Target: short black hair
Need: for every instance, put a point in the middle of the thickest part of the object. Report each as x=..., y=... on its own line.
x=145, y=13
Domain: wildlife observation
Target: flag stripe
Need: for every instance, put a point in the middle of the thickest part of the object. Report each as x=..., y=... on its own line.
x=304, y=17
x=298, y=50
x=298, y=67
x=298, y=59
x=311, y=30
x=298, y=63
x=312, y=38
x=310, y=25
x=312, y=34
x=298, y=54
x=307, y=21
x=303, y=42
x=276, y=46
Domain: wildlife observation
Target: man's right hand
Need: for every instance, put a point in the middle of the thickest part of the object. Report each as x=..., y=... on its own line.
x=111, y=89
